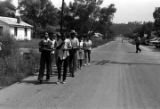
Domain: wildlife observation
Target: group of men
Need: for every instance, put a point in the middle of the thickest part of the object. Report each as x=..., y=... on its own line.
x=67, y=52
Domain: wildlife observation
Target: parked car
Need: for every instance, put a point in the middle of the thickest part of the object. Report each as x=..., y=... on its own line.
x=155, y=42
x=151, y=41
x=98, y=36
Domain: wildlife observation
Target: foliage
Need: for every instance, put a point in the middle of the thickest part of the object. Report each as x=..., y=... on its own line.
x=81, y=15
x=9, y=44
x=87, y=15
x=123, y=28
x=156, y=15
x=146, y=28
x=14, y=66
x=7, y=9
x=39, y=13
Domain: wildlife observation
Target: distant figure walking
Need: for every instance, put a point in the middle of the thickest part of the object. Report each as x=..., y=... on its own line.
x=137, y=42
x=45, y=61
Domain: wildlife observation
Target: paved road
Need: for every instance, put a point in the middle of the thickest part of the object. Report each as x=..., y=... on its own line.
x=117, y=78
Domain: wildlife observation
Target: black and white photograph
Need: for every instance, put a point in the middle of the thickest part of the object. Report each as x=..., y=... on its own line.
x=79, y=54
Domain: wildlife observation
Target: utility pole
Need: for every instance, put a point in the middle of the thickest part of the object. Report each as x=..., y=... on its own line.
x=61, y=23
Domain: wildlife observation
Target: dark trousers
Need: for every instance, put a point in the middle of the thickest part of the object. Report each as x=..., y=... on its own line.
x=80, y=63
x=45, y=62
x=87, y=56
x=53, y=62
x=63, y=63
x=137, y=47
x=73, y=61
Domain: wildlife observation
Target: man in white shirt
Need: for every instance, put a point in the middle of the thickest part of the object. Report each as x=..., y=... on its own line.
x=63, y=56
x=73, y=53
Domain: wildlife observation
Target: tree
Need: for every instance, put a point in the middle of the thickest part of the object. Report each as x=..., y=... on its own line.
x=78, y=15
x=87, y=15
x=156, y=15
x=145, y=28
x=39, y=13
x=7, y=9
x=105, y=19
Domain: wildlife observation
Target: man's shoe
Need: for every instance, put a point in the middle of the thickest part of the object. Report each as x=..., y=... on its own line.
x=64, y=82
x=40, y=81
x=58, y=82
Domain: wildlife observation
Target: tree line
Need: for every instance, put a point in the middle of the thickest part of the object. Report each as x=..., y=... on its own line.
x=143, y=28
x=81, y=15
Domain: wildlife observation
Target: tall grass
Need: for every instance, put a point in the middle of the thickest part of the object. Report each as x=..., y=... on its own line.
x=13, y=66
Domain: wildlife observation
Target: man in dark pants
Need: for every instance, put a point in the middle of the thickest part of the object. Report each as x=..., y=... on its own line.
x=65, y=64
x=45, y=61
x=73, y=53
x=63, y=56
x=137, y=41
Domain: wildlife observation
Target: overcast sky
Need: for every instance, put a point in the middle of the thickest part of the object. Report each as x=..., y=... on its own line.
x=127, y=10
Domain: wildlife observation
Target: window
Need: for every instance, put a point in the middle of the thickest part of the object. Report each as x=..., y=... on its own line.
x=1, y=30
x=15, y=31
x=25, y=30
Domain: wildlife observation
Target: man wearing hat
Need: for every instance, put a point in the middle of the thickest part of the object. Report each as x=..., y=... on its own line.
x=73, y=52
x=45, y=61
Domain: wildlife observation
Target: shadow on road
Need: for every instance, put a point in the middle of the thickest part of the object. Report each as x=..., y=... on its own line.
x=35, y=82
x=132, y=52
x=104, y=62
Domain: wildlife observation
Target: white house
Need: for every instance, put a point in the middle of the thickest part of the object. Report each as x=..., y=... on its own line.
x=16, y=27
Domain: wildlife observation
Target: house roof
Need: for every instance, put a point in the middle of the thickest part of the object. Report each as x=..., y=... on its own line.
x=13, y=22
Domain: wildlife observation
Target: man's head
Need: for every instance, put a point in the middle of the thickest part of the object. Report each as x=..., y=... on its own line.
x=53, y=36
x=46, y=35
x=73, y=33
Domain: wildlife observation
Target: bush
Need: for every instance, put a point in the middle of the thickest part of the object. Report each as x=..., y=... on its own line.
x=9, y=45
x=14, y=67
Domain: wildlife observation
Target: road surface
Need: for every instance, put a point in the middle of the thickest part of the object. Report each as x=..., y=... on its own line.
x=118, y=78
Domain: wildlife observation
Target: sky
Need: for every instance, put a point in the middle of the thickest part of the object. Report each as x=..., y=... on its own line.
x=127, y=10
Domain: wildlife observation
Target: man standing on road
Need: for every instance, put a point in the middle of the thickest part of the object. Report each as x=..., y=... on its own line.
x=45, y=61
x=73, y=53
x=63, y=56
x=137, y=42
